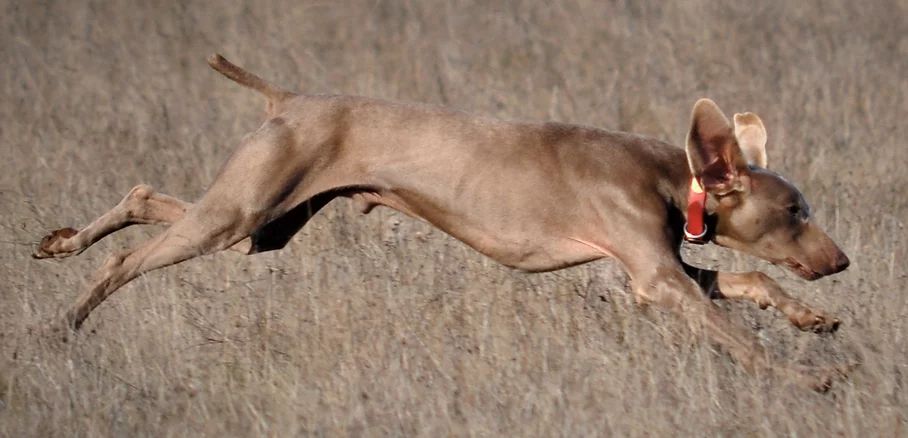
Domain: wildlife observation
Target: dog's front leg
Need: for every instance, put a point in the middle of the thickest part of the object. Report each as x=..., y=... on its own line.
x=765, y=292
x=670, y=289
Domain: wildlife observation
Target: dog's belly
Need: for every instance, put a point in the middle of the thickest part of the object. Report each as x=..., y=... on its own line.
x=528, y=247
x=537, y=255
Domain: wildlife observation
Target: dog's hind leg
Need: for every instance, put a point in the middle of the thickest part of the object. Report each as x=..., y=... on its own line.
x=142, y=205
x=208, y=227
x=197, y=233
x=267, y=176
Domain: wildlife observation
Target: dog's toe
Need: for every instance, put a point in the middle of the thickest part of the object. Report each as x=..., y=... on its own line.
x=828, y=325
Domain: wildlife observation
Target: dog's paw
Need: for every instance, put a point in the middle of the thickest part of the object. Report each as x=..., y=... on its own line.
x=51, y=246
x=813, y=321
x=53, y=334
x=821, y=379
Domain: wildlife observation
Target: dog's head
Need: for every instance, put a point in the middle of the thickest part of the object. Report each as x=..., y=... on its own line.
x=757, y=211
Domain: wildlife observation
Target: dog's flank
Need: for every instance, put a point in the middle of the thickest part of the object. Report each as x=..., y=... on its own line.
x=536, y=197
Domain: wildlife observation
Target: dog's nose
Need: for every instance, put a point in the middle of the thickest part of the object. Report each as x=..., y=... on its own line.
x=841, y=262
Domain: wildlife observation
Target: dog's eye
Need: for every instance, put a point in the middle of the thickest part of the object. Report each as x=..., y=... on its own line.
x=794, y=210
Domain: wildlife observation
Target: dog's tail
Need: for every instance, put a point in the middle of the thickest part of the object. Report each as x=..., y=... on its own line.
x=273, y=93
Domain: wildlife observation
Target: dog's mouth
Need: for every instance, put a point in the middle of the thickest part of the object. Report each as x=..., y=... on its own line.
x=799, y=268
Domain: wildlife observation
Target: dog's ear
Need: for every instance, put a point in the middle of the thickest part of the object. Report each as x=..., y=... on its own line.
x=751, y=137
x=712, y=151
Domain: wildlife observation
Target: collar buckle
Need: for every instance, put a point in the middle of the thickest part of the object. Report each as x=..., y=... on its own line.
x=697, y=239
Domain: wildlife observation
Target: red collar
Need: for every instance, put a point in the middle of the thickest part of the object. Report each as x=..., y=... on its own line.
x=695, y=227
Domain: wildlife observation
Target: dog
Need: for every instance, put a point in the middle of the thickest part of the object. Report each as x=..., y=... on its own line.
x=532, y=196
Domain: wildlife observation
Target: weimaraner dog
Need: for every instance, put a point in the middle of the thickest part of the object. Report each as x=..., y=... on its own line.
x=532, y=196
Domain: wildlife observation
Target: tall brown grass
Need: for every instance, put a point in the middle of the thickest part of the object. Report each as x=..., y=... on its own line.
x=380, y=325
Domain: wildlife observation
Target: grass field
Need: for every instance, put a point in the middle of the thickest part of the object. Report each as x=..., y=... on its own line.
x=380, y=325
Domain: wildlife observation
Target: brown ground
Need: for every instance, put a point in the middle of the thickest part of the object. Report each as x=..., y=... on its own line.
x=380, y=325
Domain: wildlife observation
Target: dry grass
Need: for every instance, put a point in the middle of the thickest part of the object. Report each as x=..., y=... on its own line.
x=379, y=325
